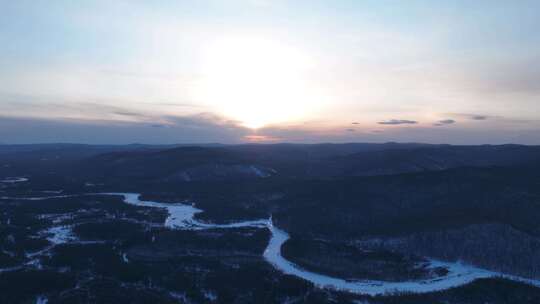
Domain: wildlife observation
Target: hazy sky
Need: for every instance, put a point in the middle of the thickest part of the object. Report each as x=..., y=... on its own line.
x=269, y=70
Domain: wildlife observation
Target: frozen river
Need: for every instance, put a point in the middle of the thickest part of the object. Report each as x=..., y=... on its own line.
x=181, y=216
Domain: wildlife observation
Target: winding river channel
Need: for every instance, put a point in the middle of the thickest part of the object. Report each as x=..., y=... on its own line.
x=182, y=216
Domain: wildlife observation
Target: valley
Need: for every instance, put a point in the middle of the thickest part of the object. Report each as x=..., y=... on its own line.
x=282, y=238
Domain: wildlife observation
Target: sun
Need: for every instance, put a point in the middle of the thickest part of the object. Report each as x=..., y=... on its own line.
x=256, y=81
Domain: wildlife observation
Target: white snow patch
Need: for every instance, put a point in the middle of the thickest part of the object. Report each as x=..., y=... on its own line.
x=59, y=234
x=210, y=295
x=40, y=198
x=42, y=300
x=125, y=258
x=8, y=269
x=258, y=172
x=13, y=180
x=185, y=176
x=180, y=215
x=9, y=253
x=36, y=263
x=182, y=297
x=56, y=218
x=53, y=191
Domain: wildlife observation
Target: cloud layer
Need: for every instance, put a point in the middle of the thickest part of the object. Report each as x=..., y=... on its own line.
x=398, y=122
x=128, y=71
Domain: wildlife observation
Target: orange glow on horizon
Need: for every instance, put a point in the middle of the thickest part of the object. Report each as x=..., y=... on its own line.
x=260, y=138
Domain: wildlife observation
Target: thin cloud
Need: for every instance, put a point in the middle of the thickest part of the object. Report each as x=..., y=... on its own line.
x=498, y=119
x=471, y=116
x=201, y=128
x=479, y=117
x=398, y=122
x=172, y=104
x=444, y=122
x=132, y=114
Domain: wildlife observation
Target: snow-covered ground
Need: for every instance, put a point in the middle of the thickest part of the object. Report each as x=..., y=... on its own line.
x=59, y=234
x=9, y=269
x=125, y=258
x=37, y=198
x=13, y=180
x=259, y=172
x=42, y=300
x=53, y=191
x=181, y=216
x=57, y=218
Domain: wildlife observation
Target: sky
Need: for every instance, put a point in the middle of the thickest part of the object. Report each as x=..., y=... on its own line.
x=236, y=71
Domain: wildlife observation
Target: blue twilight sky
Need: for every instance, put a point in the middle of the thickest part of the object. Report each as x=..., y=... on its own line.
x=269, y=70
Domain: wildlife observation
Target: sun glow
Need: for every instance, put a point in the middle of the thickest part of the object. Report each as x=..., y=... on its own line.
x=256, y=81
